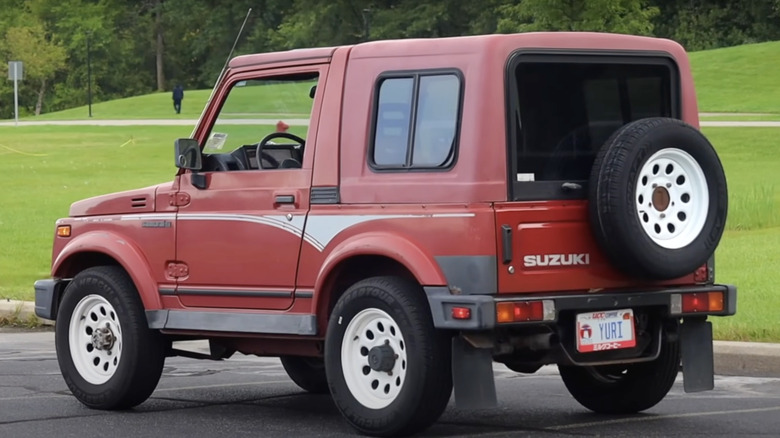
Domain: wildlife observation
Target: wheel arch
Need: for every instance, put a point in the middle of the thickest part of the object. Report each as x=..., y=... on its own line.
x=106, y=248
x=374, y=254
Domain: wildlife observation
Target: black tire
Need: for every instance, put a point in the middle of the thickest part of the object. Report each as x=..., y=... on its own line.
x=307, y=372
x=655, y=241
x=416, y=390
x=624, y=389
x=123, y=374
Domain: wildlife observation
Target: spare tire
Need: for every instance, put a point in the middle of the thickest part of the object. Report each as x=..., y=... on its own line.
x=658, y=198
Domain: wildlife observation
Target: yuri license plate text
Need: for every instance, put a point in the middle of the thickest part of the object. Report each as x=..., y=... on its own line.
x=609, y=330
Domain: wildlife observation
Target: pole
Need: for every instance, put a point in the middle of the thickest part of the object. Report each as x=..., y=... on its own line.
x=89, y=78
x=16, y=94
x=366, y=23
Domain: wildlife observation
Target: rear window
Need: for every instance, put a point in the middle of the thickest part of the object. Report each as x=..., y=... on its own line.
x=564, y=108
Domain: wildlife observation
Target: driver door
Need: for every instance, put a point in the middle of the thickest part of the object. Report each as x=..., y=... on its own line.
x=239, y=234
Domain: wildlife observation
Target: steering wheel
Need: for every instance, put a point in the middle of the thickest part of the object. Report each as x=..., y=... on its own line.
x=226, y=163
x=264, y=155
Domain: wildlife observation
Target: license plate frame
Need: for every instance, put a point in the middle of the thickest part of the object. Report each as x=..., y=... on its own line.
x=605, y=330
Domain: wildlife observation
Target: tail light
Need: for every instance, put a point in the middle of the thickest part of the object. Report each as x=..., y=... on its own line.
x=523, y=311
x=702, y=302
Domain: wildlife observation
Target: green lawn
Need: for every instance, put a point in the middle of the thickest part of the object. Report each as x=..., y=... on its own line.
x=738, y=79
x=742, y=117
x=749, y=252
x=751, y=161
x=46, y=168
x=749, y=259
x=291, y=99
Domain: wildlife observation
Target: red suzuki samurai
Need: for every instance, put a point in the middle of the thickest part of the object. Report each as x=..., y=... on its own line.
x=425, y=209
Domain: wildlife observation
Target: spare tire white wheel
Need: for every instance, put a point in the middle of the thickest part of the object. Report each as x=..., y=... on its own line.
x=658, y=199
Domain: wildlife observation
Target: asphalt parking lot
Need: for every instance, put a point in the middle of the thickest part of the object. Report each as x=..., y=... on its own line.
x=250, y=396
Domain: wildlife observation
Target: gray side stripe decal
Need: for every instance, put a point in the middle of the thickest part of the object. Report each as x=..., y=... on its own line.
x=320, y=229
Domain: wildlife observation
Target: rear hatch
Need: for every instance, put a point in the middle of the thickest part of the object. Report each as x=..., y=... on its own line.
x=562, y=109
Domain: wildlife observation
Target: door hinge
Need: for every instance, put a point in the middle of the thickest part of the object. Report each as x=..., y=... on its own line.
x=179, y=199
x=177, y=270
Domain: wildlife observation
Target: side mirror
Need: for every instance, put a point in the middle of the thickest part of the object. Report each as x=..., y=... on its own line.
x=187, y=154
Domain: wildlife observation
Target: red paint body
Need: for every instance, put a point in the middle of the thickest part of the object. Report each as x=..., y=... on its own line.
x=409, y=218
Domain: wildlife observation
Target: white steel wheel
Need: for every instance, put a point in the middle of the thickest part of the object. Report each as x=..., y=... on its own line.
x=389, y=370
x=95, y=339
x=108, y=356
x=657, y=199
x=373, y=358
x=672, y=198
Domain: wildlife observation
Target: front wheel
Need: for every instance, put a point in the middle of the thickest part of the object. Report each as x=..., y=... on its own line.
x=108, y=356
x=624, y=389
x=388, y=368
x=307, y=372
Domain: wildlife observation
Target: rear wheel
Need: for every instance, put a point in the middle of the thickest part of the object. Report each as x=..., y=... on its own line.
x=624, y=389
x=388, y=368
x=307, y=372
x=108, y=356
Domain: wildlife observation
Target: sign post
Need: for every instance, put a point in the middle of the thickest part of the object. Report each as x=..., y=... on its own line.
x=15, y=73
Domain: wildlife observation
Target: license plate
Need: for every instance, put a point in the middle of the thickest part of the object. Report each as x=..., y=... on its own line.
x=608, y=330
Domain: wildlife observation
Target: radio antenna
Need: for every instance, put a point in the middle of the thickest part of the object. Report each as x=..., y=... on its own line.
x=222, y=73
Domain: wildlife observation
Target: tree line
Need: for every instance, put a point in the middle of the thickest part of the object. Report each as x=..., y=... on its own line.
x=131, y=47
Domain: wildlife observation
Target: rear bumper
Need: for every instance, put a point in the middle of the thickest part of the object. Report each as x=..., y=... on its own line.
x=47, y=297
x=483, y=307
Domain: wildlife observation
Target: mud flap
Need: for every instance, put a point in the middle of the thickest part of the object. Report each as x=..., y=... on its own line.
x=697, y=355
x=472, y=376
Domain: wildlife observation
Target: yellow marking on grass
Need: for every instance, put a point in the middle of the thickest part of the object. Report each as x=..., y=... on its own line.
x=131, y=141
x=16, y=151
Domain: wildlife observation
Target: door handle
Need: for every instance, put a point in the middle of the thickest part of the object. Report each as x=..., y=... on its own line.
x=506, y=241
x=284, y=199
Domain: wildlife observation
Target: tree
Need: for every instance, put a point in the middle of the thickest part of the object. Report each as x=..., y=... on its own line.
x=618, y=16
x=42, y=58
x=708, y=24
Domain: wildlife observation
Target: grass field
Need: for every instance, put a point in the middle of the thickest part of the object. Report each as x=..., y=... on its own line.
x=738, y=79
x=46, y=168
x=751, y=161
x=742, y=117
x=749, y=259
x=291, y=99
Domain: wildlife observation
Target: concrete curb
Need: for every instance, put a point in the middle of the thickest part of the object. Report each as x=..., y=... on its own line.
x=21, y=310
x=754, y=359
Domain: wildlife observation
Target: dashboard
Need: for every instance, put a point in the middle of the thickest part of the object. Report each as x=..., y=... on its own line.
x=245, y=157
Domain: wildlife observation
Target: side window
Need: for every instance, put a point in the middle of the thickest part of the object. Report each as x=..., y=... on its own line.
x=392, y=122
x=416, y=122
x=252, y=110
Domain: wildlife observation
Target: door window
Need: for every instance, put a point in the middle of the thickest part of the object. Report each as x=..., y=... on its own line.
x=255, y=109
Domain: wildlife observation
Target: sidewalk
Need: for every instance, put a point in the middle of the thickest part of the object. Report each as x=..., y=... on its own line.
x=754, y=359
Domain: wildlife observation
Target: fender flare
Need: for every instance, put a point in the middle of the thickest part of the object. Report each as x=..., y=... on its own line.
x=413, y=257
x=124, y=251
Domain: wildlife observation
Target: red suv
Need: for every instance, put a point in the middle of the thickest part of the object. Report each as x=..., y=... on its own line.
x=424, y=209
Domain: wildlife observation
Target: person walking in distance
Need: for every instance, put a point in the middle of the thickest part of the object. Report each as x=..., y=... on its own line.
x=178, y=95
